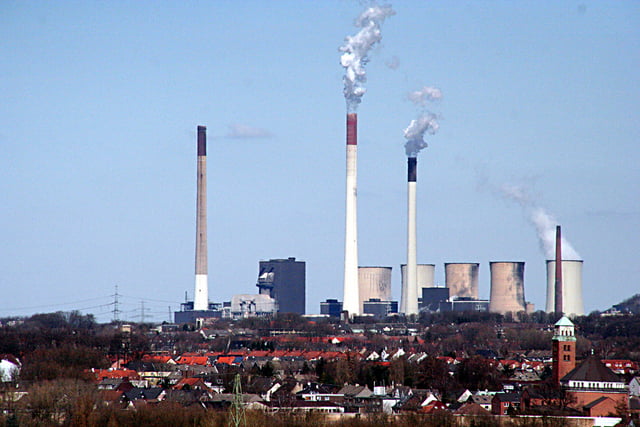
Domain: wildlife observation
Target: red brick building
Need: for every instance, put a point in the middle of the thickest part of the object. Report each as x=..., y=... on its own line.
x=590, y=383
x=563, y=348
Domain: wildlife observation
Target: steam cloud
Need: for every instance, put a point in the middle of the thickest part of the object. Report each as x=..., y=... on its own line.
x=426, y=122
x=543, y=221
x=356, y=49
x=241, y=131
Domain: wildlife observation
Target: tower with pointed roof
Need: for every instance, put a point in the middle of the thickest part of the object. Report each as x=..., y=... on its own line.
x=563, y=348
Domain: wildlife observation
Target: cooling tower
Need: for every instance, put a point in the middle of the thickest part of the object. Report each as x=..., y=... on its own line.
x=426, y=276
x=409, y=301
x=507, y=287
x=572, y=304
x=351, y=302
x=201, y=294
x=374, y=282
x=462, y=279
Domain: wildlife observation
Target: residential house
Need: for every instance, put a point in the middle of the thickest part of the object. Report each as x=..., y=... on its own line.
x=483, y=400
x=360, y=399
x=501, y=402
x=149, y=395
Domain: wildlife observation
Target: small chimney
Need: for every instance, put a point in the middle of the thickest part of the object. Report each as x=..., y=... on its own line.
x=558, y=282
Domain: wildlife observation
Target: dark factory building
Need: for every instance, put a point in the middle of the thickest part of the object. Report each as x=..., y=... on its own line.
x=284, y=280
x=431, y=297
x=331, y=307
x=380, y=309
x=188, y=315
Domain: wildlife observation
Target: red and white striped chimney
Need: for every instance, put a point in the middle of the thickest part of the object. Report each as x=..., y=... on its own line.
x=351, y=302
x=201, y=294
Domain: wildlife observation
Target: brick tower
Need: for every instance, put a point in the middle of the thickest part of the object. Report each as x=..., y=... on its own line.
x=563, y=348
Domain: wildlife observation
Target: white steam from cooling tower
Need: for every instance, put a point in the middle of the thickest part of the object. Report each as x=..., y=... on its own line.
x=354, y=57
x=545, y=225
x=426, y=122
x=543, y=221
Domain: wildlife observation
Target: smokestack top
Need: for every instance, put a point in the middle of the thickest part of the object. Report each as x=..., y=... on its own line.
x=202, y=140
x=352, y=129
x=412, y=169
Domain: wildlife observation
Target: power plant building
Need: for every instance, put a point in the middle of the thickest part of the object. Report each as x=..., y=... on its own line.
x=432, y=297
x=331, y=307
x=572, y=304
x=284, y=280
x=425, y=279
x=380, y=309
x=507, y=287
x=426, y=276
x=246, y=305
x=462, y=279
x=374, y=283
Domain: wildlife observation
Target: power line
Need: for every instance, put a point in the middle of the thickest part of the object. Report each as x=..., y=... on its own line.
x=56, y=305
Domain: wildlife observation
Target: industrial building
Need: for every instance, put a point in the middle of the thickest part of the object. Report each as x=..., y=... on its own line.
x=245, y=305
x=284, y=281
x=380, y=309
x=331, y=307
x=462, y=279
x=464, y=304
x=432, y=297
x=572, y=304
x=374, y=283
x=507, y=287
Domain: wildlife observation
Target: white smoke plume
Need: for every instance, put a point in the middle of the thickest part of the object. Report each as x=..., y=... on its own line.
x=356, y=50
x=421, y=96
x=427, y=122
x=241, y=131
x=543, y=221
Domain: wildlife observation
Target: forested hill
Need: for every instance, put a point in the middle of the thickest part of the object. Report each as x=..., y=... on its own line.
x=630, y=305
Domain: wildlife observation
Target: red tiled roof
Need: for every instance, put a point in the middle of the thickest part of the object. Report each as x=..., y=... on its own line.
x=156, y=358
x=227, y=360
x=116, y=373
x=193, y=360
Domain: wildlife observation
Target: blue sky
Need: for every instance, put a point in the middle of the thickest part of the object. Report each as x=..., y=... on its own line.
x=100, y=103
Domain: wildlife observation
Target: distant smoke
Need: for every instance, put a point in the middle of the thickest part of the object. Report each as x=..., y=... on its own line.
x=356, y=49
x=246, y=132
x=421, y=96
x=426, y=122
x=544, y=222
x=393, y=63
